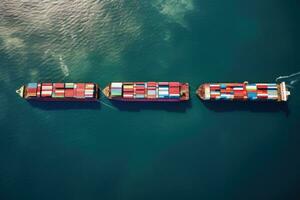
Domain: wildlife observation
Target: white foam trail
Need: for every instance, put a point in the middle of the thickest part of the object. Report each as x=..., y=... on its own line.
x=290, y=80
x=107, y=105
x=64, y=68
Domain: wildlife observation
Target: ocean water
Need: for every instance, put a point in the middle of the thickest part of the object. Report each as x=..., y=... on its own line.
x=111, y=151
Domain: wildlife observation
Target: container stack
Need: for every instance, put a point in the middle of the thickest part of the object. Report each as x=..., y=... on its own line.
x=58, y=90
x=267, y=91
x=215, y=91
x=251, y=90
x=151, y=90
x=89, y=90
x=128, y=90
x=116, y=89
x=79, y=90
x=174, y=90
x=139, y=90
x=31, y=89
x=69, y=90
x=228, y=91
x=239, y=91
x=242, y=91
x=46, y=89
x=163, y=90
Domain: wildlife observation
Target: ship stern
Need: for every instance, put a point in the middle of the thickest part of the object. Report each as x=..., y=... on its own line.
x=283, y=92
x=185, y=92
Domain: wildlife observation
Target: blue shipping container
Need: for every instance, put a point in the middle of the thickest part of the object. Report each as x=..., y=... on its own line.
x=32, y=85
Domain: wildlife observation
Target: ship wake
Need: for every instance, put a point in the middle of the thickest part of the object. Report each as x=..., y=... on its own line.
x=107, y=105
x=290, y=80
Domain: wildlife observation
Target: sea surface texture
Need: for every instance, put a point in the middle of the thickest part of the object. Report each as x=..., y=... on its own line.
x=140, y=151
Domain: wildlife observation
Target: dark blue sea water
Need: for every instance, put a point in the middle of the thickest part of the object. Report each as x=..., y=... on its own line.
x=143, y=151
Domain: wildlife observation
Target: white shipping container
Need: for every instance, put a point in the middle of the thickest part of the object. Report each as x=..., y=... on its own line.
x=163, y=93
x=59, y=91
x=215, y=93
x=238, y=88
x=89, y=93
x=151, y=92
x=46, y=87
x=116, y=85
x=262, y=95
x=47, y=92
x=163, y=89
x=272, y=97
x=128, y=95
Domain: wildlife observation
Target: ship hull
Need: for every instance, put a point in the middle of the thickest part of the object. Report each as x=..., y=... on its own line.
x=146, y=100
x=62, y=99
x=147, y=91
x=276, y=92
x=60, y=92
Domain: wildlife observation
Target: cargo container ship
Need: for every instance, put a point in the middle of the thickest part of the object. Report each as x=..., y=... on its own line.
x=147, y=91
x=60, y=91
x=244, y=91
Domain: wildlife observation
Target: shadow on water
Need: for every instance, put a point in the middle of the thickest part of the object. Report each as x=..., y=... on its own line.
x=179, y=107
x=63, y=105
x=229, y=106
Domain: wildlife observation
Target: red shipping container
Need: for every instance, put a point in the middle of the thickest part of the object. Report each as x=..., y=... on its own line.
x=235, y=85
x=262, y=97
x=213, y=96
x=59, y=85
x=139, y=92
x=262, y=91
x=128, y=89
x=239, y=97
x=264, y=87
x=31, y=90
x=80, y=85
x=226, y=92
x=239, y=92
x=139, y=82
x=151, y=84
x=174, y=84
x=215, y=89
x=174, y=90
x=139, y=87
x=79, y=93
x=47, y=84
x=69, y=92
